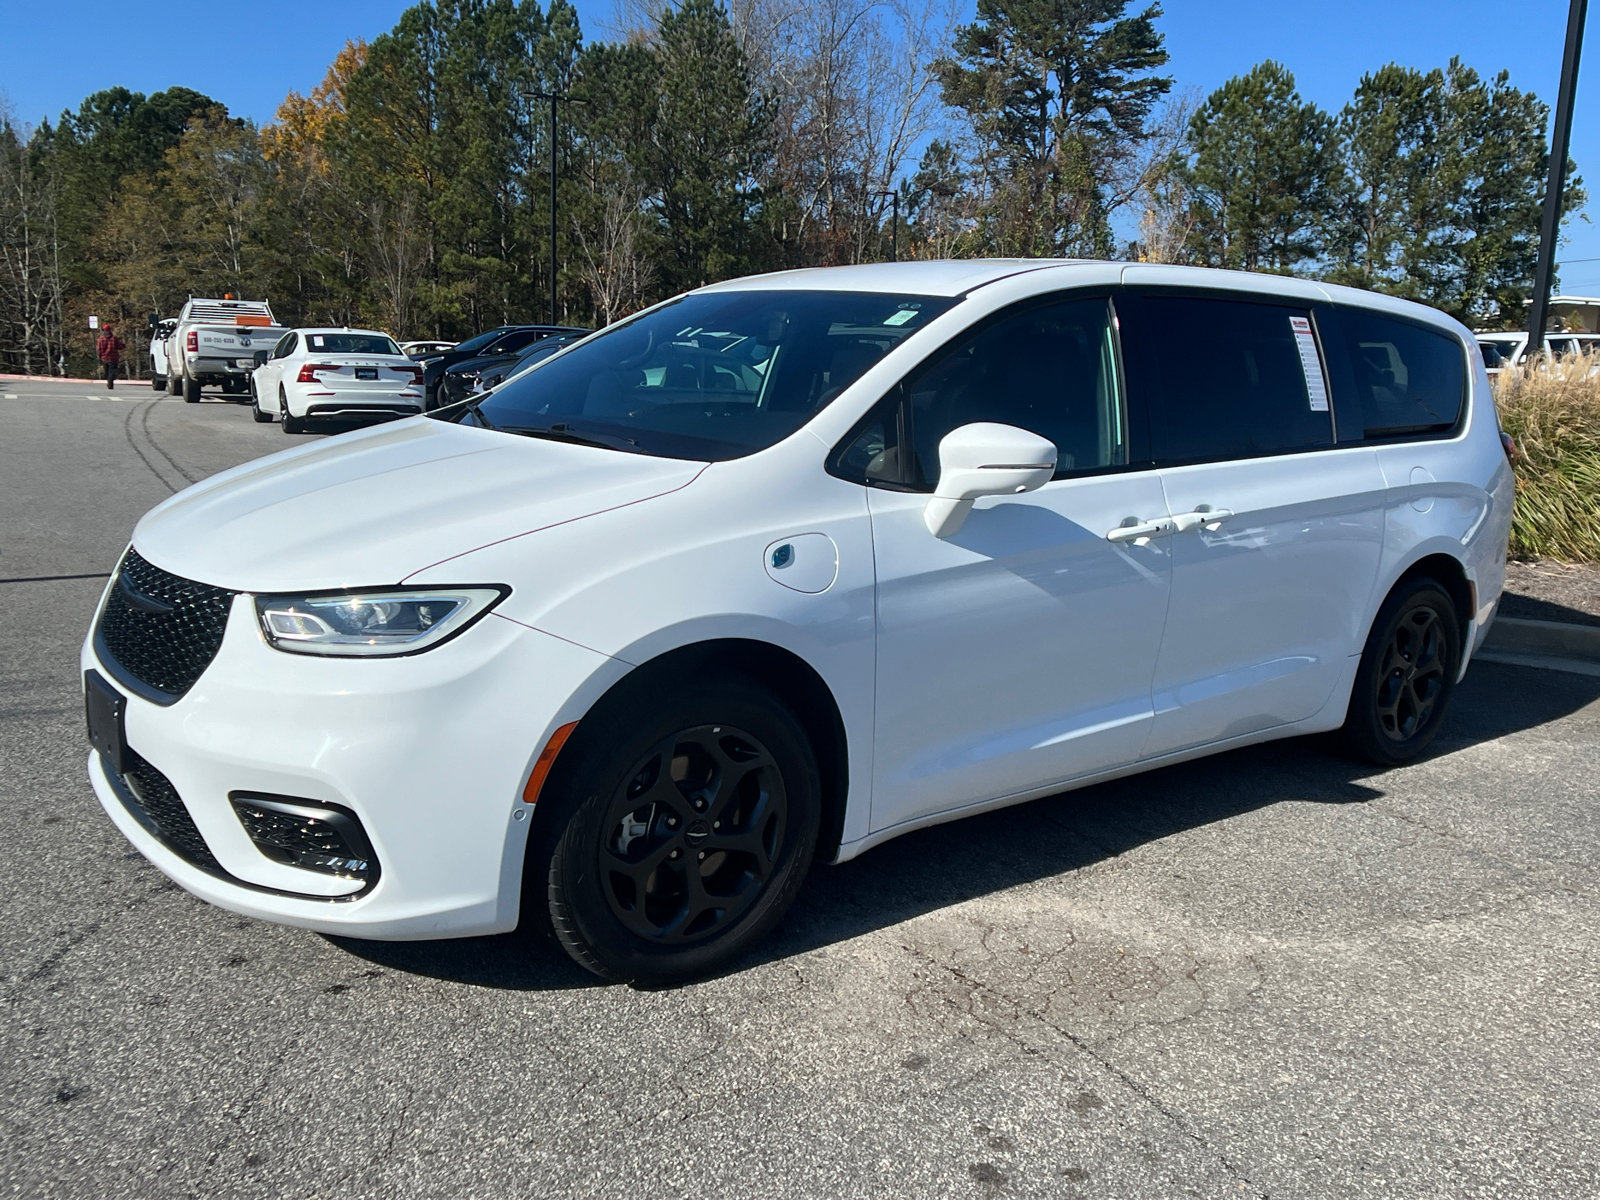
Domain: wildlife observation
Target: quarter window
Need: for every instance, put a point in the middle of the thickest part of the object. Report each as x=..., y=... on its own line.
x=1409, y=379
x=286, y=345
x=1225, y=379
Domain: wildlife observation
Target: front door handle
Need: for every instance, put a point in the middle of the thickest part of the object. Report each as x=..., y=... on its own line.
x=1139, y=529
x=1183, y=522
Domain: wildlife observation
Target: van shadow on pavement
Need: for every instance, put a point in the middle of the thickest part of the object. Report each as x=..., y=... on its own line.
x=935, y=868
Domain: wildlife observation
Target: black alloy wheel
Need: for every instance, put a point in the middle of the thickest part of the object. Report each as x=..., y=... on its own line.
x=1410, y=676
x=693, y=834
x=1407, y=674
x=678, y=839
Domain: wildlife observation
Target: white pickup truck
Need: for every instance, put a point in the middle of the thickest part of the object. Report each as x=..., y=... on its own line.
x=215, y=342
x=160, y=338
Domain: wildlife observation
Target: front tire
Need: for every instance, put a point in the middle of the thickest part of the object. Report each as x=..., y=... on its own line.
x=158, y=383
x=676, y=830
x=262, y=418
x=1407, y=675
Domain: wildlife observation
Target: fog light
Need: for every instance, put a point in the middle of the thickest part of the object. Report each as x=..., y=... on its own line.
x=308, y=834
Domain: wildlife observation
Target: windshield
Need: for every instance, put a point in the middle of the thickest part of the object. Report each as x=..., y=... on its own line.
x=351, y=343
x=479, y=342
x=711, y=376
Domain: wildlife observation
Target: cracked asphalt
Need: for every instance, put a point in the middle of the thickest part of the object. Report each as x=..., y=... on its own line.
x=1271, y=973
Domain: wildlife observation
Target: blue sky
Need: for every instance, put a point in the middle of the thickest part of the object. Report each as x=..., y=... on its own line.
x=56, y=54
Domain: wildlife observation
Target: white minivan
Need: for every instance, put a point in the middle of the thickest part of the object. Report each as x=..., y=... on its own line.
x=786, y=567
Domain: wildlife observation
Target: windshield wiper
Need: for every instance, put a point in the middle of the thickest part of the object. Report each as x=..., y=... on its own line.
x=565, y=433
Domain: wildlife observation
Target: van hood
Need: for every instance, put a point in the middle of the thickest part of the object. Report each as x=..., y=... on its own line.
x=373, y=507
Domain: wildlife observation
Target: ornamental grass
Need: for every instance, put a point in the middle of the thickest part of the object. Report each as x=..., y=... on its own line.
x=1552, y=413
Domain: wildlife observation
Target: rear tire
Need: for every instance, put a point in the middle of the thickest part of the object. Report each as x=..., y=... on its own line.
x=675, y=831
x=1407, y=674
x=191, y=389
x=291, y=424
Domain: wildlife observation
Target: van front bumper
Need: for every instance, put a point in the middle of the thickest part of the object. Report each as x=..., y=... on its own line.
x=429, y=753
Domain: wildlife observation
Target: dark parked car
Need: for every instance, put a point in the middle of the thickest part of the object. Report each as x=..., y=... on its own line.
x=481, y=374
x=505, y=339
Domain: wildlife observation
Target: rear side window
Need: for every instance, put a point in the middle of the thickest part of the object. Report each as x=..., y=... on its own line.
x=1224, y=379
x=1050, y=369
x=1408, y=379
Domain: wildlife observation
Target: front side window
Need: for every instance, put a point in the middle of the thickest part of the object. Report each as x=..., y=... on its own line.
x=1225, y=379
x=513, y=341
x=1050, y=369
x=474, y=344
x=1409, y=379
x=711, y=376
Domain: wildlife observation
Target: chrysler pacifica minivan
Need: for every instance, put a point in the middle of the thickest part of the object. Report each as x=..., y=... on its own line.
x=783, y=568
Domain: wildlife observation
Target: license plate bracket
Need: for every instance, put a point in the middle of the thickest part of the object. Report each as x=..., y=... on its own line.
x=105, y=711
x=366, y=372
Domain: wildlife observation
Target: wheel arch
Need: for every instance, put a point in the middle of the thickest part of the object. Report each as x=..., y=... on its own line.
x=785, y=673
x=1451, y=574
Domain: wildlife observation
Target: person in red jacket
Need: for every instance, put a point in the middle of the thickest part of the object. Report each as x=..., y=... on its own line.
x=109, y=351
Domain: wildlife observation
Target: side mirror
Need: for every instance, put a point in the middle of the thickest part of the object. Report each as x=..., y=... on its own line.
x=261, y=356
x=985, y=459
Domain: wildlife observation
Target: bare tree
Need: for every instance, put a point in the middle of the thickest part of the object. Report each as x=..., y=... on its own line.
x=1138, y=167
x=614, y=266
x=31, y=317
x=852, y=82
x=397, y=251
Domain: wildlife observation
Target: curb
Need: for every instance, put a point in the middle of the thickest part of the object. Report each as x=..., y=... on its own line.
x=52, y=379
x=1548, y=639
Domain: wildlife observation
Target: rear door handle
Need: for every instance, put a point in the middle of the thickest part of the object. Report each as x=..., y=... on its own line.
x=1183, y=522
x=1139, y=529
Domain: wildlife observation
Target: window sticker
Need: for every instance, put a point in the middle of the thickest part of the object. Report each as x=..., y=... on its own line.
x=1310, y=363
x=316, y=342
x=901, y=317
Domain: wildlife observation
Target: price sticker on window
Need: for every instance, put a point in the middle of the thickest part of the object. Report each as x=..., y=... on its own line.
x=1316, y=389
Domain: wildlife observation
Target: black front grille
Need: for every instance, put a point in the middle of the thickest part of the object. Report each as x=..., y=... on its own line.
x=158, y=631
x=159, y=808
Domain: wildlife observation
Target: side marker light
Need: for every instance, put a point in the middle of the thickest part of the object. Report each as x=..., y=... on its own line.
x=546, y=760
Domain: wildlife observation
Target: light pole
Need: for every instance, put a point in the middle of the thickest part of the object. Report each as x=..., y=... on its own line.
x=1560, y=138
x=894, y=226
x=554, y=98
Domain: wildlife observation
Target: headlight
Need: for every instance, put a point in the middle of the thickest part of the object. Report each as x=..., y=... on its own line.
x=372, y=624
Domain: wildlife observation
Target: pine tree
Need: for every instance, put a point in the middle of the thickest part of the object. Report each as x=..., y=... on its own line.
x=1263, y=169
x=1445, y=183
x=1058, y=94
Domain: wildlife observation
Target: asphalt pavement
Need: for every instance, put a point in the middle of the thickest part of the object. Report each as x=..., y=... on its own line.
x=1271, y=973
